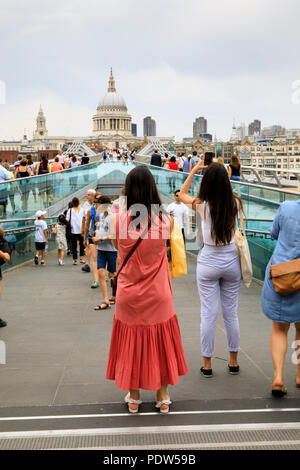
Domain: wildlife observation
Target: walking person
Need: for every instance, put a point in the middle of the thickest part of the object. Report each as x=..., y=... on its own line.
x=90, y=198
x=194, y=160
x=4, y=176
x=11, y=189
x=146, y=350
x=181, y=161
x=68, y=231
x=187, y=164
x=43, y=169
x=180, y=213
x=283, y=310
x=61, y=241
x=85, y=160
x=74, y=217
x=91, y=219
x=23, y=171
x=172, y=165
x=32, y=167
x=156, y=160
x=107, y=253
x=234, y=169
x=41, y=238
x=218, y=266
x=61, y=157
x=73, y=163
x=4, y=258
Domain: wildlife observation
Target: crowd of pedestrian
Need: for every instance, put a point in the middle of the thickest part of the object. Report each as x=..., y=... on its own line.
x=25, y=167
x=118, y=244
x=119, y=154
x=186, y=164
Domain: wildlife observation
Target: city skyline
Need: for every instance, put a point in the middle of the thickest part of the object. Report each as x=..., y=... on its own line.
x=49, y=62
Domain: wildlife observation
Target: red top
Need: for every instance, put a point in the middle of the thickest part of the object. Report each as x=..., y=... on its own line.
x=173, y=166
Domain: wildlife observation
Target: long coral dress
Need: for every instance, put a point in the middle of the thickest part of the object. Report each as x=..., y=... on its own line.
x=146, y=349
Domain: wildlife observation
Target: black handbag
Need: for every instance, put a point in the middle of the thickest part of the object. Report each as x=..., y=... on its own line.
x=114, y=280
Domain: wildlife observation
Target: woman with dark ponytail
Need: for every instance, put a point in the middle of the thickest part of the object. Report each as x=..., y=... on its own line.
x=218, y=267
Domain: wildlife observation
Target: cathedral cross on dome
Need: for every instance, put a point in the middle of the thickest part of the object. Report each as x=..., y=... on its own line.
x=111, y=83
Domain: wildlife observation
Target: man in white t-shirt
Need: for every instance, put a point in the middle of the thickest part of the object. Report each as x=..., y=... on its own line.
x=180, y=213
x=61, y=157
x=90, y=196
x=41, y=239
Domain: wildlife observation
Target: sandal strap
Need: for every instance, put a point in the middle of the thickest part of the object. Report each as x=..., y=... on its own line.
x=130, y=400
x=163, y=402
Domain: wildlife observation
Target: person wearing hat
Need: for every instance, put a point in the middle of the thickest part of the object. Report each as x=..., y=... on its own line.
x=41, y=239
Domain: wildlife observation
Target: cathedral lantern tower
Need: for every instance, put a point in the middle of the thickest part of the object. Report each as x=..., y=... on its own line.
x=112, y=123
x=41, y=130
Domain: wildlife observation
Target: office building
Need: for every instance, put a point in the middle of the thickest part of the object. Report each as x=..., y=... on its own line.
x=149, y=126
x=134, y=129
x=199, y=126
x=254, y=127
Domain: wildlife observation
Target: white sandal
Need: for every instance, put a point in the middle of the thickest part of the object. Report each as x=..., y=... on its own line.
x=158, y=404
x=130, y=400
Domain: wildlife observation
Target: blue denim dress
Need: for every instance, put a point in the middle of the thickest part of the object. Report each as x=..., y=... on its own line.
x=286, y=230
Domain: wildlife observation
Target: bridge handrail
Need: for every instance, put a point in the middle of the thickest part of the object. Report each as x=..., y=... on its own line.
x=273, y=169
x=241, y=183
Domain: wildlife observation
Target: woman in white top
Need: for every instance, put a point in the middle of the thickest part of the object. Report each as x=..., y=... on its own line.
x=218, y=266
x=74, y=216
x=73, y=163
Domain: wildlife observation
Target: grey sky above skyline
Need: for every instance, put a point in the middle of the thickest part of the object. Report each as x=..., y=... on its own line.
x=174, y=60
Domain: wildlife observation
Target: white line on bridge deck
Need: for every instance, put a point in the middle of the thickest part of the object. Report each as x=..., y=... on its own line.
x=117, y=415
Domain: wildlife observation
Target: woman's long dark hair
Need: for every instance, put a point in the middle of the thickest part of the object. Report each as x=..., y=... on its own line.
x=235, y=162
x=208, y=158
x=44, y=162
x=140, y=188
x=216, y=190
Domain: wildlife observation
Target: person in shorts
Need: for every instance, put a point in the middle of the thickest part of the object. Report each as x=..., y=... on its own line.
x=107, y=254
x=41, y=239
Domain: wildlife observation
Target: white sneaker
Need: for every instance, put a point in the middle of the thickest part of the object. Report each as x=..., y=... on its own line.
x=60, y=262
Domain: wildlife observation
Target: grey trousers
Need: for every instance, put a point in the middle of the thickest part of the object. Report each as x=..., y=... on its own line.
x=218, y=279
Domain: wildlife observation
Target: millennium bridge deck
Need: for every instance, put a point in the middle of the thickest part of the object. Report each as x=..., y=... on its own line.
x=53, y=384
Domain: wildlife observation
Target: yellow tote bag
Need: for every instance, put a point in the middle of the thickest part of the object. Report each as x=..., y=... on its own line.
x=176, y=252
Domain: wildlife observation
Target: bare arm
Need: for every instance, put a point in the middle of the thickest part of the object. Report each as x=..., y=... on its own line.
x=183, y=194
x=229, y=172
x=187, y=221
x=87, y=223
x=4, y=256
x=113, y=232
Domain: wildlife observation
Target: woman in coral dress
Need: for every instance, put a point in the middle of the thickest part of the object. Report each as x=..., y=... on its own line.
x=146, y=350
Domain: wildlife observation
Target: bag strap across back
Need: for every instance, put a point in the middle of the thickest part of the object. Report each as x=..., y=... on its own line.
x=128, y=256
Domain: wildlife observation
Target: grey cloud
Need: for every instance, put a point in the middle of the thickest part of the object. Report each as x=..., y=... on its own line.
x=235, y=49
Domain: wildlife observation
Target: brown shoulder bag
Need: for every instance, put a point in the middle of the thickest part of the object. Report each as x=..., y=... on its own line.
x=285, y=276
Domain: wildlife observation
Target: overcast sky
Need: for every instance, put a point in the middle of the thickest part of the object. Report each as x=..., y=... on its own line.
x=172, y=59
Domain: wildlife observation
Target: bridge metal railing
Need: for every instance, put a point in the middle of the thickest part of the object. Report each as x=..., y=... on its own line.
x=260, y=202
x=20, y=233
x=281, y=177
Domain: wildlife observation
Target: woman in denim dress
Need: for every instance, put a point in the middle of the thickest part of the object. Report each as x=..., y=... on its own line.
x=283, y=309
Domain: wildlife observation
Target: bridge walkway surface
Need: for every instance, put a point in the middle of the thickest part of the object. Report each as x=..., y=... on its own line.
x=53, y=391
